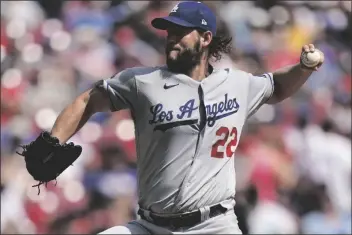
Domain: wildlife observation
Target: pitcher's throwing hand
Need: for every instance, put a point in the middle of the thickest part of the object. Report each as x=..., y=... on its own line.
x=311, y=58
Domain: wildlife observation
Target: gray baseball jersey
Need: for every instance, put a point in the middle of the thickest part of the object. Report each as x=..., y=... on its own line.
x=186, y=132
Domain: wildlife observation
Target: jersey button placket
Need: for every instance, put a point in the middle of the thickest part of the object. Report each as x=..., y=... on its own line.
x=202, y=122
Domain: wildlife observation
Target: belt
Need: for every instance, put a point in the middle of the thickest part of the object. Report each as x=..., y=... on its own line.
x=182, y=220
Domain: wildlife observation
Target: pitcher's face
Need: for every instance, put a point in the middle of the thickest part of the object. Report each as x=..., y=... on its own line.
x=183, y=48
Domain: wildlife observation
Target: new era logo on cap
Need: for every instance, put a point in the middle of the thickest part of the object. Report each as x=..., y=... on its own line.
x=188, y=14
x=174, y=9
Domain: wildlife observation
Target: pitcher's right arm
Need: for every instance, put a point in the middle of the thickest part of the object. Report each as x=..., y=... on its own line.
x=76, y=114
x=111, y=94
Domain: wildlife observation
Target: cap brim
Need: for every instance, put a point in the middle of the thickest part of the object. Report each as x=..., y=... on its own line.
x=164, y=23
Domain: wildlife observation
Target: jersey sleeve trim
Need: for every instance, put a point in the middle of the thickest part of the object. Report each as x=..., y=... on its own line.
x=109, y=90
x=114, y=95
x=271, y=79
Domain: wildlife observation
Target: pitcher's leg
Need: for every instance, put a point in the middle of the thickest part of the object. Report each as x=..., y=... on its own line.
x=222, y=224
x=131, y=228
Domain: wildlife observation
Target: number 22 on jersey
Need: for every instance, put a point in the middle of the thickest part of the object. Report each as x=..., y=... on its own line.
x=225, y=133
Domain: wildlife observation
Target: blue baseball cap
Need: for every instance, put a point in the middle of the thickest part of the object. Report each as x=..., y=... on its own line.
x=188, y=14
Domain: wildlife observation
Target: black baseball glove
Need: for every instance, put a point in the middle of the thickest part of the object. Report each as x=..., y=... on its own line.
x=46, y=158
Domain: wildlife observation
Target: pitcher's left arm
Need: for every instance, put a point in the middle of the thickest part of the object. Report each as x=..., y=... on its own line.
x=289, y=79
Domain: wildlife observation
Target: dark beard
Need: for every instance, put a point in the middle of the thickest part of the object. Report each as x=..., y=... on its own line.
x=186, y=60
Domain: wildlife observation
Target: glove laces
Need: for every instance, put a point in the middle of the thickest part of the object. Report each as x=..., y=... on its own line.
x=41, y=183
x=24, y=149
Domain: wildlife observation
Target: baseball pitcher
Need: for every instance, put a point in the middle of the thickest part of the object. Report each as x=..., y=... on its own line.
x=188, y=119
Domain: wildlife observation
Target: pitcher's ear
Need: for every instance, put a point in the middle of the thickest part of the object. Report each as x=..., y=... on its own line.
x=206, y=38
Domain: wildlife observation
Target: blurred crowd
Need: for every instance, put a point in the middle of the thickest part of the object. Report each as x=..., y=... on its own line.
x=293, y=163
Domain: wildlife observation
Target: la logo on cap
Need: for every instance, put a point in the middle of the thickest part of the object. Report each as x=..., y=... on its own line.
x=204, y=22
x=175, y=8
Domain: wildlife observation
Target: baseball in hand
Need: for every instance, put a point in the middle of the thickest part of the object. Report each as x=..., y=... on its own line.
x=311, y=59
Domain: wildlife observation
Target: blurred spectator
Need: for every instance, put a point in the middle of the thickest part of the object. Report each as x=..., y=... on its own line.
x=325, y=219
